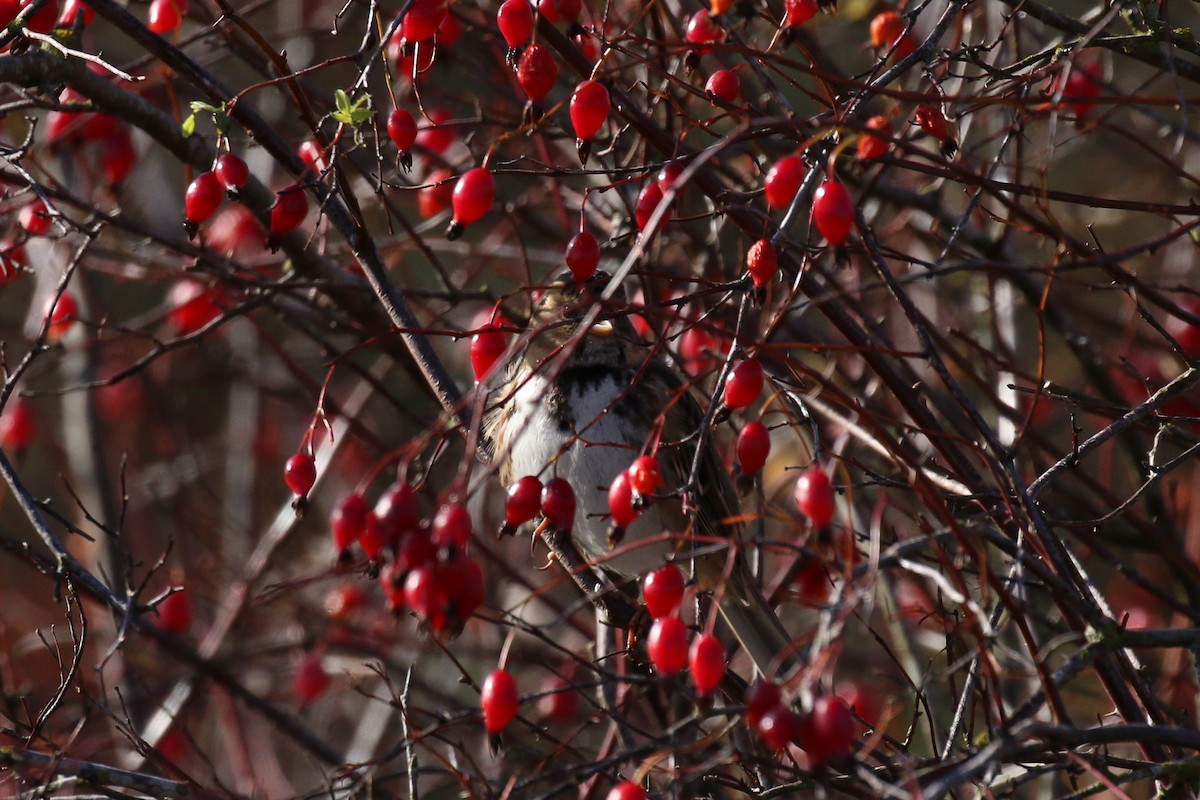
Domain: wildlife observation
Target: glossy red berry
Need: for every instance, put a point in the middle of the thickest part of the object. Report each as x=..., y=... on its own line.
x=761, y=697
x=1184, y=332
x=166, y=15
x=437, y=135
x=34, y=218
x=932, y=120
x=524, y=501
x=473, y=196
x=887, y=33
x=706, y=663
x=725, y=85
x=499, y=701
x=202, y=199
x=783, y=181
x=583, y=255
x=537, y=71
x=452, y=526
x=831, y=730
x=872, y=146
x=193, y=305
x=662, y=590
x=347, y=521
x=231, y=171
x=62, y=313
x=702, y=30
x=589, y=109
x=648, y=201
x=779, y=727
x=402, y=129
x=175, y=612
x=398, y=511
x=488, y=346
x=833, y=212
x=290, y=209
x=620, y=501
x=645, y=475
x=422, y=20
x=310, y=153
x=561, y=11
x=762, y=262
x=1082, y=86
x=515, y=19
x=626, y=790
x=558, y=504
x=70, y=10
x=814, y=496
x=17, y=425
x=344, y=600
x=798, y=12
x=461, y=582
x=300, y=473
x=372, y=539
x=119, y=156
x=437, y=194
x=743, y=384
x=667, y=645
x=669, y=175
x=310, y=680
x=753, y=447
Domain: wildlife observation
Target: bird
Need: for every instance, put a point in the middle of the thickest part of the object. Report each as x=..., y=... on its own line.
x=581, y=402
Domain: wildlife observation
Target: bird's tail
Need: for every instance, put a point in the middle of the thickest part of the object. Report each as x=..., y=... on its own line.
x=756, y=627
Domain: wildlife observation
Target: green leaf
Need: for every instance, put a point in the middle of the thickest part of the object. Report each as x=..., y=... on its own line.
x=200, y=105
x=189, y=125
x=351, y=113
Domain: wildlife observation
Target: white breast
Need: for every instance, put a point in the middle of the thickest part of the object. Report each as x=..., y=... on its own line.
x=601, y=447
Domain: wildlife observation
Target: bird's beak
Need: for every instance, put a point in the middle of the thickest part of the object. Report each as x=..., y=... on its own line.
x=604, y=327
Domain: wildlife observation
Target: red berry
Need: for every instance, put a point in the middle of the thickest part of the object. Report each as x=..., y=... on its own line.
x=175, y=612
x=646, y=475
x=347, y=521
x=931, y=119
x=667, y=645
x=779, y=727
x=166, y=15
x=761, y=262
x=583, y=255
x=17, y=425
x=300, y=473
x=119, y=157
x=461, y=582
x=831, y=729
x=702, y=30
x=626, y=790
x=234, y=232
x=724, y=84
x=537, y=71
x=437, y=195
x=62, y=313
x=311, y=154
x=833, y=212
x=422, y=20
x=203, y=196
x=557, y=11
x=310, y=680
x=193, y=305
x=706, y=663
x=421, y=593
x=695, y=346
x=372, y=539
x=647, y=203
x=344, y=600
x=662, y=590
x=620, y=501
x=871, y=146
x=743, y=384
x=668, y=175
x=34, y=218
x=812, y=584
x=415, y=548
x=232, y=171
x=887, y=33
x=473, y=196
x=524, y=501
x=452, y=526
x=515, y=18
x=589, y=109
x=559, y=699
x=783, y=181
x=558, y=504
x=1083, y=84
x=290, y=209
x=402, y=129
x=488, y=345
x=71, y=8
x=814, y=496
x=449, y=30
x=1184, y=332
x=753, y=447
x=43, y=19
x=436, y=136
x=398, y=511
x=499, y=701
x=761, y=697
x=798, y=12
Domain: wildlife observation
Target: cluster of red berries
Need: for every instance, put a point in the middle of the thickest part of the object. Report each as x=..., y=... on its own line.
x=631, y=490
x=670, y=644
x=826, y=732
x=229, y=174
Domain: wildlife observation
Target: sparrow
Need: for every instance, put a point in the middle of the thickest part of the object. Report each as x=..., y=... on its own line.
x=582, y=402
